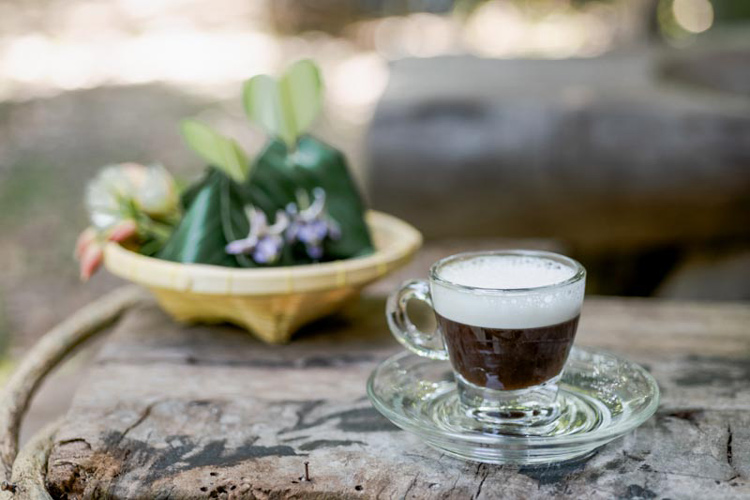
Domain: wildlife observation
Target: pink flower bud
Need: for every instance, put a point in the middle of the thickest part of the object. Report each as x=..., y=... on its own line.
x=86, y=238
x=91, y=260
x=122, y=231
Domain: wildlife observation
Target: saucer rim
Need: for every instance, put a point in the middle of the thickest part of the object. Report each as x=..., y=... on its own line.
x=588, y=438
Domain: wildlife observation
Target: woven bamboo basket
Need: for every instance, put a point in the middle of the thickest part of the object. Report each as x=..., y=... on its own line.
x=272, y=303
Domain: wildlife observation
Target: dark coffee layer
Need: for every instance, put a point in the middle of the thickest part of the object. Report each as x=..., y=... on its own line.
x=508, y=359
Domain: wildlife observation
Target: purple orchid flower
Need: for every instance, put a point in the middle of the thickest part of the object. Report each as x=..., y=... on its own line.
x=310, y=224
x=263, y=243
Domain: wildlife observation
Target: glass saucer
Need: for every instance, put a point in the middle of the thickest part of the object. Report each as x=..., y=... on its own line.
x=601, y=398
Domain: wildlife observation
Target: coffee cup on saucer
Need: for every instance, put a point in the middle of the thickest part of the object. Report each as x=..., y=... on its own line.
x=499, y=379
x=506, y=322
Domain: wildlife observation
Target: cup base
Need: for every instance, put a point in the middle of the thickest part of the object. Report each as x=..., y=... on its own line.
x=537, y=412
x=524, y=412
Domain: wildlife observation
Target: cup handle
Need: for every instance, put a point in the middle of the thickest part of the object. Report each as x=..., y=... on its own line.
x=429, y=345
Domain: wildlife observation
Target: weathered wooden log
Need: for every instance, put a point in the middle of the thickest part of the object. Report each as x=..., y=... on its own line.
x=196, y=412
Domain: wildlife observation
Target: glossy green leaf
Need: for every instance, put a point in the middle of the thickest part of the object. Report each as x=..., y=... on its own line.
x=219, y=151
x=213, y=217
x=285, y=108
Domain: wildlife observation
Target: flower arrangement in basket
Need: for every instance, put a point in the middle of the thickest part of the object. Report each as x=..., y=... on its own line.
x=268, y=243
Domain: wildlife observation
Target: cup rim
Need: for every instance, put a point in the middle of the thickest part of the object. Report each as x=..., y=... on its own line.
x=580, y=271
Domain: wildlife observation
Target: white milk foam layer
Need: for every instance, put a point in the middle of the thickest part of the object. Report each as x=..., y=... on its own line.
x=512, y=309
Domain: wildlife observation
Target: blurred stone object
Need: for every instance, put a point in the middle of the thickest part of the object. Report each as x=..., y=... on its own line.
x=601, y=154
x=595, y=152
x=605, y=155
x=710, y=275
x=725, y=70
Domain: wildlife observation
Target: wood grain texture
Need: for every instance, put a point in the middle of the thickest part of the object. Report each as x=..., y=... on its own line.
x=176, y=412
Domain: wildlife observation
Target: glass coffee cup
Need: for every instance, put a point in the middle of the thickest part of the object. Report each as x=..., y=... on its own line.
x=506, y=322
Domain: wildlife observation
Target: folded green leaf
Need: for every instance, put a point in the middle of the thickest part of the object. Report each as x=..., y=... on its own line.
x=285, y=108
x=213, y=217
x=219, y=151
x=279, y=173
